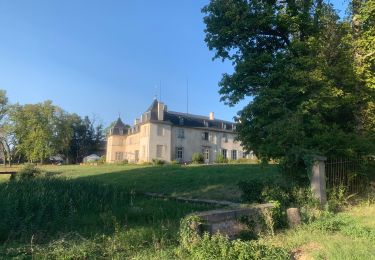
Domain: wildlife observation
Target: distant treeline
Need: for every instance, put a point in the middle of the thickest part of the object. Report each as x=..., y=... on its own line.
x=35, y=132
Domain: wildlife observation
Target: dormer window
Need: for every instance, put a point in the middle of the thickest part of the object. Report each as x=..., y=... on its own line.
x=181, y=121
x=234, y=127
x=205, y=123
x=224, y=126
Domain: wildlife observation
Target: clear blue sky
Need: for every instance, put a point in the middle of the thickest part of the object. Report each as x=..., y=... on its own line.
x=103, y=58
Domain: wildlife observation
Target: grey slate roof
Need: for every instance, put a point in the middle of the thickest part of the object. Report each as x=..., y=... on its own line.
x=189, y=120
x=119, y=124
x=119, y=128
x=177, y=119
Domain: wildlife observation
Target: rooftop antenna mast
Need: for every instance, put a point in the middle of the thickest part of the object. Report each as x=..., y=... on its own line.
x=156, y=92
x=187, y=96
x=160, y=91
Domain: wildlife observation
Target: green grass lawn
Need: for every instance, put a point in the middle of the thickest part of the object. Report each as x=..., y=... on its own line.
x=100, y=212
x=209, y=182
x=354, y=239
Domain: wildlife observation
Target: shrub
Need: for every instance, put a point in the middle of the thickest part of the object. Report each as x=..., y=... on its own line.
x=198, y=158
x=337, y=198
x=220, y=247
x=29, y=171
x=246, y=160
x=220, y=159
x=158, y=162
x=252, y=190
x=123, y=162
x=102, y=159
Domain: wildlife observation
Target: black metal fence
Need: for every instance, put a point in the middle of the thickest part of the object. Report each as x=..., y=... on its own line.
x=348, y=172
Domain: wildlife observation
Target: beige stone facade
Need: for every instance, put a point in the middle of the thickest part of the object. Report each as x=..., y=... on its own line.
x=167, y=135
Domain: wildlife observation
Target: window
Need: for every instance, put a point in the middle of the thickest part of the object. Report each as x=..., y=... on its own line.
x=225, y=137
x=234, y=154
x=179, y=153
x=205, y=123
x=244, y=155
x=213, y=138
x=160, y=130
x=205, y=136
x=224, y=153
x=181, y=121
x=181, y=133
x=206, y=154
x=159, y=151
x=119, y=156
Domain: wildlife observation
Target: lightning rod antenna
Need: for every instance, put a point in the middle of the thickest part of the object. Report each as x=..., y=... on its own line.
x=187, y=96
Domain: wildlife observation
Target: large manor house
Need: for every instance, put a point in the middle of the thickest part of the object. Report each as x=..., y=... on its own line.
x=172, y=136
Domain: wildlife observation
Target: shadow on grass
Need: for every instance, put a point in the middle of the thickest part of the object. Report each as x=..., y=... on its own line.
x=45, y=208
x=209, y=182
x=105, y=204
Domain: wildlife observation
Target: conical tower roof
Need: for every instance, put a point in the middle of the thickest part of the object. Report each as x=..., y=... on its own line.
x=119, y=124
x=118, y=128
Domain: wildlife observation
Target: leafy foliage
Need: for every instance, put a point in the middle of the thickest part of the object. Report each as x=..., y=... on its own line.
x=295, y=60
x=29, y=171
x=220, y=159
x=197, y=158
x=220, y=247
x=42, y=130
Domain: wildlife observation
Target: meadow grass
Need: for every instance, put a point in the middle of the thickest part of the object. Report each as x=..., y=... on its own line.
x=198, y=181
x=347, y=235
x=58, y=217
x=86, y=212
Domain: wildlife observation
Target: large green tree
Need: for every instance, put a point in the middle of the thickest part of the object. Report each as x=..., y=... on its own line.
x=34, y=130
x=295, y=60
x=87, y=137
x=5, y=132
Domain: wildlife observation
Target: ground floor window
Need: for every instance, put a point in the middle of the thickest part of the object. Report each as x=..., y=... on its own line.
x=224, y=153
x=159, y=151
x=179, y=153
x=234, y=154
x=206, y=154
x=119, y=156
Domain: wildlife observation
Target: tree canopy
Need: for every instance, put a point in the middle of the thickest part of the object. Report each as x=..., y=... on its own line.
x=296, y=59
x=35, y=132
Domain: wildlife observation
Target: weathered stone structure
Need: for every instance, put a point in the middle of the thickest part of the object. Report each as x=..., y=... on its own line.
x=167, y=135
x=232, y=222
x=318, y=179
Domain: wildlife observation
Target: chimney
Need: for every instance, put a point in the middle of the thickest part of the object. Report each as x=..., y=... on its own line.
x=212, y=116
x=160, y=111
